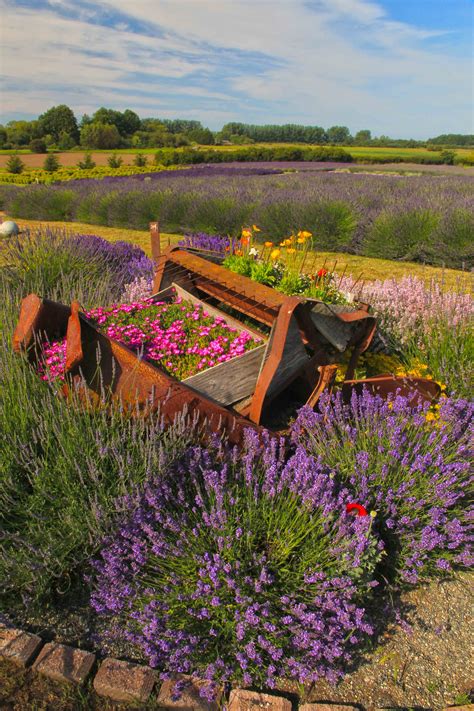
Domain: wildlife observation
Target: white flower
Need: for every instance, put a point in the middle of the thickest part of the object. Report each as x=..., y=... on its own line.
x=253, y=252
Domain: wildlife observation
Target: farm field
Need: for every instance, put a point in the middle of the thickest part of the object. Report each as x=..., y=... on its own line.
x=420, y=218
x=100, y=157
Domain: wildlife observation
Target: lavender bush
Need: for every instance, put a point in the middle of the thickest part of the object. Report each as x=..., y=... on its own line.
x=240, y=567
x=341, y=210
x=219, y=245
x=409, y=464
x=50, y=261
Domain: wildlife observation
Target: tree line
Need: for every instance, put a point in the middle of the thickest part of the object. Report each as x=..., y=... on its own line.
x=107, y=128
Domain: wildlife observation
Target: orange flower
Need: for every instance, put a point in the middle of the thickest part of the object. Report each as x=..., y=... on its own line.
x=245, y=240
x=301, y=240
x=290, y=250
x=268, y=244
x=256, y=229
x=238, y=252
x=283, y=244
x=304, y=234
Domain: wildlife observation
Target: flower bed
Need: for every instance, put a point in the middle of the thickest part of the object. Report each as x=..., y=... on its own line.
x=179, y=337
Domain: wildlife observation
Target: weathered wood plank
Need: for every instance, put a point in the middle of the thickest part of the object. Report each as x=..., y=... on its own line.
x=231, y=381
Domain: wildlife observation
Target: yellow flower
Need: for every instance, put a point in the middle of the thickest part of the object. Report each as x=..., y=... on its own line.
x=275, y=254
x=256, y=229
x=247, y=234
x=291, y=250
x=268, y=244
x=301, y=240
x=283, y=244
x=304, y=234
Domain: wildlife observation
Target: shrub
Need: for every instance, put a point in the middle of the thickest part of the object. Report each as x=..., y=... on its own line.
x=114, y=161
x=241, y=569
x=411, y=466
x=14, y=165
x=40, y=260
x=403, y=235
x=140, y=160
x=87, y=163
x=38, y=145
x=51, y=163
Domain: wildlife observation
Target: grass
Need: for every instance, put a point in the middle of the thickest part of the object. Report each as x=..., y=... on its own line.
x=368, y=268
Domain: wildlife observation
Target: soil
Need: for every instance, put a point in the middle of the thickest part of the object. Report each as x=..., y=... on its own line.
x=69, y=159
x=422, y=660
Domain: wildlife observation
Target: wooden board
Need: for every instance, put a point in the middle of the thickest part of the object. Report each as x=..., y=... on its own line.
x=231, y=381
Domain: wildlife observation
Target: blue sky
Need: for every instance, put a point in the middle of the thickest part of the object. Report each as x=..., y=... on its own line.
x=402, y=68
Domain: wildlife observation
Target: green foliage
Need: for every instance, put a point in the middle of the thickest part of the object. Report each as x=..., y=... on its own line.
x=448, y=351
x=140, y=160
x=87, y=163
x=126, y=123
x=51, y=163
x=114, y=161
x=61, y=463
x=100, y=135
x=15, y=165
x=38, y=145
x=239, y=264
x=66, y=141
x=203, y=136
x=58, y=120
x=402, y=235
x=338, y=134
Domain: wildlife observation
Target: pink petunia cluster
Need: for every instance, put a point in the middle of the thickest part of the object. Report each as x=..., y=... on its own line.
x=52, y=365
x=180, y=337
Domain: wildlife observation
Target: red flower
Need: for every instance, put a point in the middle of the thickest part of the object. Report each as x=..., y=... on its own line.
x=358, y=508
x=322, y=273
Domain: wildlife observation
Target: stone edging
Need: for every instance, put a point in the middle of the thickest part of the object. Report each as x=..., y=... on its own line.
x=123, y=681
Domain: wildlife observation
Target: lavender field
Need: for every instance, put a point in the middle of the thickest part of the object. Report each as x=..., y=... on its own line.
x=425, y=218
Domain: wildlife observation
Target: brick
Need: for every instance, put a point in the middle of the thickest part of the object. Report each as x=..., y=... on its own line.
x=63, y=663
x=243, y=700
x=328, y=707
x=122, y=681
x=189, y=700
x=20, y=647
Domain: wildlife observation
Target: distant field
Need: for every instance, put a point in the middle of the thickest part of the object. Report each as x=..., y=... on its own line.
x=363, y=268
x=71, y=158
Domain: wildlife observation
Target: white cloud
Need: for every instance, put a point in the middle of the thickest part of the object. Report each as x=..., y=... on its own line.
x=315, y=61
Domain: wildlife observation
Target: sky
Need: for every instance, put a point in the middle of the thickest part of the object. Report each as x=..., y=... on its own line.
x=402, y=68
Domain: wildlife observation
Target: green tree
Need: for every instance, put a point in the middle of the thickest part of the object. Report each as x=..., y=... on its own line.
x=51, y=163
x=57, y=120
x=203, y=136
x=66, y=141
x=363, y=138
x=338, y=134
x=38, y=145
x=130, y=122
x=15, y=165
x=114, y=161
x=20, y=133
x=140, y=160
x=100, y=135
x=87, y=163
x=3, y=136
